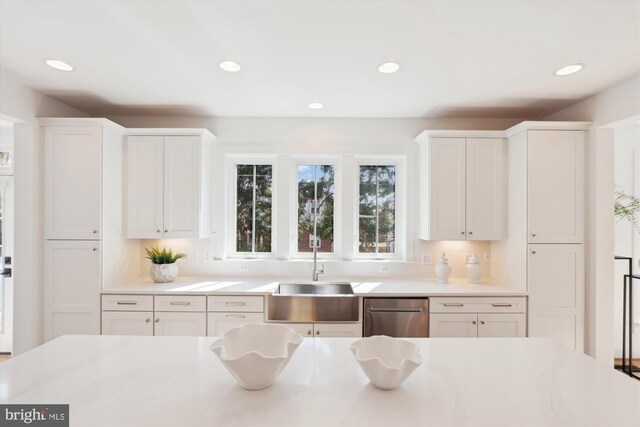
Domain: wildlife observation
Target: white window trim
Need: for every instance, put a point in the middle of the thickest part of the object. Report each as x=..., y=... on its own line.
x=336, y=162
x=401, y=212
x=232, y=161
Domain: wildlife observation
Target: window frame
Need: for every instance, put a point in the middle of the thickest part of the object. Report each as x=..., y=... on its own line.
x=400, y=209
x=232, y=162
x=297, y=161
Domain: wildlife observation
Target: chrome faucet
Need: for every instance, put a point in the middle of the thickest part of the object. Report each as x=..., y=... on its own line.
x=316, y=272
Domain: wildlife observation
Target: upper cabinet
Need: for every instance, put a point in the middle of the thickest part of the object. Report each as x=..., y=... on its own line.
x=73, y=173
x=462, y=187
x=168, y=180
x=555, y=186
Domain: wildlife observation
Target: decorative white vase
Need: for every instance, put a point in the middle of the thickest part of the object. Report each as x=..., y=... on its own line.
x=163, y=273
x=443, y=270
x=474, y=270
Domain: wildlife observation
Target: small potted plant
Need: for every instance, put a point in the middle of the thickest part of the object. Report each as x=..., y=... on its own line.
x=163, y=264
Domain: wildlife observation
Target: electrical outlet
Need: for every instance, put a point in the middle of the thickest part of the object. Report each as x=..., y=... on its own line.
x=385, y=269
x=192, y=256
x=244, y=267
x=487, y=257
x=466, y=256
x=208, y=257
x=426, y=258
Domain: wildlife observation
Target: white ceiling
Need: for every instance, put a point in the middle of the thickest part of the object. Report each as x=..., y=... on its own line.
x=458, y=58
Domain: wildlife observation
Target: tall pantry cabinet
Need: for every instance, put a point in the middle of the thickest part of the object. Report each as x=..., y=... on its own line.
x=84, y=237
x=545, y=246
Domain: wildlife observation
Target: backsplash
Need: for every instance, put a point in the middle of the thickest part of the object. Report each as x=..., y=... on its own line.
x=201, y=250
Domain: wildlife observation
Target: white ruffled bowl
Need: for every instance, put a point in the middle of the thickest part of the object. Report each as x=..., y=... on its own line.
x=386, y=361
x=255, y=354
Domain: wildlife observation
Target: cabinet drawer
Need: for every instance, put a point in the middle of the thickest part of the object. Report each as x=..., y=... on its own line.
x=127, y=302
x=219, y=323
x=238, y=303
x=478, y=305
x=180, y=303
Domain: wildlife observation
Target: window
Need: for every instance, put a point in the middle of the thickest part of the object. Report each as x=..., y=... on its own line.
x=254, y=210
x=316, y=204
x=377, y=209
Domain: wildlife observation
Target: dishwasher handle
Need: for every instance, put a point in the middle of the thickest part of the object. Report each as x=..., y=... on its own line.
x=395, y=309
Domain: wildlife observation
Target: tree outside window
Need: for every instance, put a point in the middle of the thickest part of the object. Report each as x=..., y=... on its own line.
x=316, y=189
x=377, y=210
x=254, y=208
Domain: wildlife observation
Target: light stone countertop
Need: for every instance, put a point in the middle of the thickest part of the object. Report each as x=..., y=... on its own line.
x=367, y=287
x=178, y=381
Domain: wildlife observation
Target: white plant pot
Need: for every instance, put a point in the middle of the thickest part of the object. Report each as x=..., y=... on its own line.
x=163, y=273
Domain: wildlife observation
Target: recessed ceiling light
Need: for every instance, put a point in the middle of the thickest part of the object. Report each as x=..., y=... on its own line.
x=315, y=105
x=230, y=66
x=58, y=65
x=389, y=67
x=569, y=69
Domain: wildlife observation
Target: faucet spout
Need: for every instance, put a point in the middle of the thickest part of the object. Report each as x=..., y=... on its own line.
x=316, y=272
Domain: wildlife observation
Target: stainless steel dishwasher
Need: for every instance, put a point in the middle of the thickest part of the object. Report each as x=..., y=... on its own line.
x=396, y=317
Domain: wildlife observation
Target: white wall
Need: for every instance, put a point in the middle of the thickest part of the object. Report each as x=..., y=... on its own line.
x=604, y=109
x=19, y=102
x=627, y=237
x=347, y=137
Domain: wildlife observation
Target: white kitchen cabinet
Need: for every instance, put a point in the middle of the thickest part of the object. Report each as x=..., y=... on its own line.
x=459, y=325
x=73, y=174
x=218, y=322
x=72, y=282
x=555, y=186
x=337, y=330
x=304, y=329
x=180, y=324
x=127, y=323
x=462, y=188
x=502, y=325
x=168, y=183
x=556, y=281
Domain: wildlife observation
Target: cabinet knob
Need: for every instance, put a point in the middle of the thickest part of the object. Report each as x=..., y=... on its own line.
x=462, y=232
x=94, y=249
x=158, y=231
x=317, y=332
x=471, y=232
x=95, y=231
x=533, y=234
x=148, y=320
x=157, y=320
x=533, y=252
x=473, y=322
x=166, y=231
x=309, y=332
x=482, y=322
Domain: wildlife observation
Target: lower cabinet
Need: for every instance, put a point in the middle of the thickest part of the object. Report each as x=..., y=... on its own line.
x=219, y=323
x=482, y=317
x=127, y=323
x=180, y=324
x=327, y=330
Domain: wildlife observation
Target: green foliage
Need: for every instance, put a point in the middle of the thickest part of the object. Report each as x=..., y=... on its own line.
x=250, y=178
x=316, y=183
x=164, y=256
x=627, y=207
x=377, y=209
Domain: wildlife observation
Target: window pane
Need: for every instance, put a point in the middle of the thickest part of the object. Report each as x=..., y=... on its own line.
x=254, y=196
x=377, y=209
x=315, y=182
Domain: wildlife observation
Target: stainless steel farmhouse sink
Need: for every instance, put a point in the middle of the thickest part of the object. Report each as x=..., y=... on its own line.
x=313, y=302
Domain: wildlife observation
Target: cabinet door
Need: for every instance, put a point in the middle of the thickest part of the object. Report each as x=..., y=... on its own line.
x=304, y=329
x=446, y=177
x=219, y=323
x=485, y=189
x=73, y=176
x=556, y=293
x=555, y=186
x=180, y=324
x=145, y=186
x=501, y=325
x=71, y=288
x=182, y=186
x=337, y=330
x=453, y=325
x=127, y=323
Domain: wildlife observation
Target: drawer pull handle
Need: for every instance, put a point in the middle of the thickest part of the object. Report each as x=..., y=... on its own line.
x=395, y=309
x=234, y=316
x=179, y=303
x=451, y=304
x=236, y=303
x=501, y=305
x=127, y=302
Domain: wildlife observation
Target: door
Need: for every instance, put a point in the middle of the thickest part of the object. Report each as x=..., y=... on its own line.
x=453, y=325
x=73, y=176
x=219, y=323
x=555, y=186
x=127, y=323
x=557, y=293
x=337, y=330
x=485, y=189
x=182, y=186
x=71, y=288
x=6, y=264
x=447, y=189
x=145, y=186
x=501, y=325
x=180, y=324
